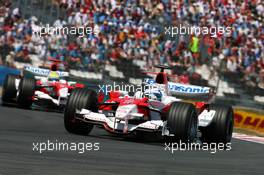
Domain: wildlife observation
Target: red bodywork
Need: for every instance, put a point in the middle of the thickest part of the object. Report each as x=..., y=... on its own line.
x=143, y=103
x=56, y=87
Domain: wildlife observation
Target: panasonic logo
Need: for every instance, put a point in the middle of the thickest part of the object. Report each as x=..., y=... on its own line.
x=149, y=81
x=181, y=87
x=39, y=71
x=44, y=72
x=188, y=89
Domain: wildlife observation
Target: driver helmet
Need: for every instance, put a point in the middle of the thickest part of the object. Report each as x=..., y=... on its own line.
x=53, y=76
x=154, y=95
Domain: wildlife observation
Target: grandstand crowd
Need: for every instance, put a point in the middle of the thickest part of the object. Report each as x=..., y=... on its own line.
x=127, y=32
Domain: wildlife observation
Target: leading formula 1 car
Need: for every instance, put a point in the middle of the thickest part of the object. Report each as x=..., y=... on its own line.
x=49, y=89
x=156, y=109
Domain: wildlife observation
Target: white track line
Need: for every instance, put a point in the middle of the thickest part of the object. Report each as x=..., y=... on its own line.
x=249, y=138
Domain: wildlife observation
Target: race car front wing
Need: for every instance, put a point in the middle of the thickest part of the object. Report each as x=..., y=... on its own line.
x=118, y=125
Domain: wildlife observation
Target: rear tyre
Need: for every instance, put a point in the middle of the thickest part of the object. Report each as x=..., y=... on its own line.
x=26, y=92
x=182, y=121
x=221, y=128
x=79, y=99
x=9, y=91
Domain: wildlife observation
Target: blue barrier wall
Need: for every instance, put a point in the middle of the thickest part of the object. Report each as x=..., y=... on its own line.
x=4, y=71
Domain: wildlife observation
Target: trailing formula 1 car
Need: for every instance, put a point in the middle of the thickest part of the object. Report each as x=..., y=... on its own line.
x=157, y=108
x=48, y=89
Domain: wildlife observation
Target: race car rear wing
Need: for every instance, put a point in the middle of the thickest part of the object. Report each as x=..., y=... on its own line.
x=190, y=91
x=186, y=91
x=42, y=72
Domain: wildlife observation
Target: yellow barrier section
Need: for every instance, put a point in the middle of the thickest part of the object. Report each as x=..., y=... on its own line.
x=249, y=120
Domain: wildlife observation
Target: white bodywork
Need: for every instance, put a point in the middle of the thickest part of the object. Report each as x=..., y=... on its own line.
x=39, y=95
x=60, y=101
x=121, y=122
x=126, y=112
x=42, y=75
x=62, y=94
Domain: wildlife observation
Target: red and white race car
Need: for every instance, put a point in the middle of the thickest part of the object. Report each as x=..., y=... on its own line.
x=155, y=109
x=48, y=89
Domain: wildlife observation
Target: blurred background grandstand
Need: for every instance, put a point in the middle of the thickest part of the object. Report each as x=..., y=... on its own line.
x=132, y=40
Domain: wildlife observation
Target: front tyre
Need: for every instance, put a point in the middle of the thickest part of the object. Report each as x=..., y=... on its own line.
x=79, y=99
x=26, y=92
x=9, y=91
x=221, y=128
x=182, y=121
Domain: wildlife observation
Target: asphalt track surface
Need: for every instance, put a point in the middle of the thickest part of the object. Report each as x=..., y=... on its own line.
x=20, y=128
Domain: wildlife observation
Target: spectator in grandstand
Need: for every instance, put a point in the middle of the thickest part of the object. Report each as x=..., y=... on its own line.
x=9, y=61
x=127, y=31
x=1, y=60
